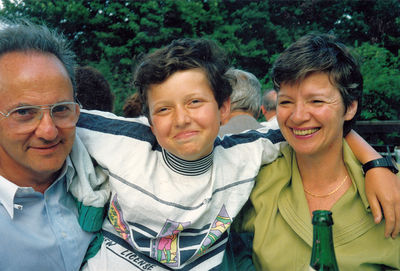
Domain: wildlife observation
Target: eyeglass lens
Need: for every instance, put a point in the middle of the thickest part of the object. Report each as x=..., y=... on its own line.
x=25, y=119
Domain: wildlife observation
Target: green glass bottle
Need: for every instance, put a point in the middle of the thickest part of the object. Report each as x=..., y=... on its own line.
x=323, y=253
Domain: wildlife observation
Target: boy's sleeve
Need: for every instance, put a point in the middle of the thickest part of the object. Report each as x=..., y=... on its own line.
x=109, y=139
x=94, y=247
x=89, y=187
x=273, y=141
x=252, y=149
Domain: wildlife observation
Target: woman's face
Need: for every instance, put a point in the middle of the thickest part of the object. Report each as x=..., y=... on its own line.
x=311, y=114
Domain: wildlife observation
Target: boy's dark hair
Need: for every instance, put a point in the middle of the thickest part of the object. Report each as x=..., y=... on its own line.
x=179, y=55
x=322, y=53
x=93, y=90
x=24, y=36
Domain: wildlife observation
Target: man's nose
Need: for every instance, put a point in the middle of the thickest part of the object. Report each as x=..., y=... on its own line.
x=46, y=128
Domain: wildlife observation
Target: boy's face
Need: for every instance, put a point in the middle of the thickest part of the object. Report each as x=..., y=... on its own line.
x=184, y=114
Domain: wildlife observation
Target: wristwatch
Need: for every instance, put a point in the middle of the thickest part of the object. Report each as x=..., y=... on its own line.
x=386, y=162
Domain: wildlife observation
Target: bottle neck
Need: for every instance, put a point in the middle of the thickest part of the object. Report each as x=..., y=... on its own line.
x=323, y=252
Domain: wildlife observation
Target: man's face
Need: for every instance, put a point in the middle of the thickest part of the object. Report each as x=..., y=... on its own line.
x=32, y=78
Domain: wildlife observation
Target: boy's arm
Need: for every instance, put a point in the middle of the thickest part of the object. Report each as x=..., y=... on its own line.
x=382, y=187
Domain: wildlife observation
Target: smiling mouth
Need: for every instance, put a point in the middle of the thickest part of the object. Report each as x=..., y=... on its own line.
x=46, y=147
x=184, y=135
x=305, y=132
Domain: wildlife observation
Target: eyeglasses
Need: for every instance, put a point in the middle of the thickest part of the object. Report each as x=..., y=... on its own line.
x=25, y=119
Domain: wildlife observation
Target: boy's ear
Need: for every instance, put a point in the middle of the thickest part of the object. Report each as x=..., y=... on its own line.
x=225, y=110
x=351, y=111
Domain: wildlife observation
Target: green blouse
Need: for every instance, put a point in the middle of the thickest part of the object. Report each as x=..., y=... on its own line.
x=280, y=219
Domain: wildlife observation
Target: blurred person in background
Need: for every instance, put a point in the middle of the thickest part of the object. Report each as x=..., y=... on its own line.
x=245, y=103
x=268, y=106
x=133, y=106
x=93, y=90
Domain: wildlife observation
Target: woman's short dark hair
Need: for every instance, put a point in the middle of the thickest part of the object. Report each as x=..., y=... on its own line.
x=25, y=36
x=179, y=55
x=322, y=53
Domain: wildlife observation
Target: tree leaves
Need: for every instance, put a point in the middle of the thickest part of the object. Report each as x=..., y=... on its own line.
x=110, y=35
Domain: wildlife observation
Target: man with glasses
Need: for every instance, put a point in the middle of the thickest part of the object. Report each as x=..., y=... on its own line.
x=38, y=113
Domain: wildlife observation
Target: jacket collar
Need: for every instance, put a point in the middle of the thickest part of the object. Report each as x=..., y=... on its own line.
x=349, y=214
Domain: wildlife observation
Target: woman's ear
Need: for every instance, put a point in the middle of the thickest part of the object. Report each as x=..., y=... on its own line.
x=351, y=110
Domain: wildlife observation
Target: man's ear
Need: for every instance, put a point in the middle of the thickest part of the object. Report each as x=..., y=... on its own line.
x=225, y=111
x=78, y=111
x=351, y=111
x=263, y=110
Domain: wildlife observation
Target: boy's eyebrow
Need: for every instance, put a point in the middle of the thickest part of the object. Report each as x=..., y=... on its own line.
x=160, y=103
x=195, y=94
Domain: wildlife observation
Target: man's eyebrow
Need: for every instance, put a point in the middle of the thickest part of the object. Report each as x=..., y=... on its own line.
x=9, y=108
x=28, y=104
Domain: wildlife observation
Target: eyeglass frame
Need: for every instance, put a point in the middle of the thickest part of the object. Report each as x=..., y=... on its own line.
x=42, y=107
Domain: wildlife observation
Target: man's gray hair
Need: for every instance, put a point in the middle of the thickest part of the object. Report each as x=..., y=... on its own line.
x=25, y=36
x=246, y=92
x=268, y=102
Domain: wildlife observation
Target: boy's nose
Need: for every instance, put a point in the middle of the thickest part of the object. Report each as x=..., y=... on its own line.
x=182, y=116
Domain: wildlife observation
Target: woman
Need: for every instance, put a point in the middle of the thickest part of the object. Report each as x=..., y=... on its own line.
x=319, y=88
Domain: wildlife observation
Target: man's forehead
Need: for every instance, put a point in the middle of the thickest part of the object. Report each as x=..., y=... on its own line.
x=24, y=75
x=17, y=62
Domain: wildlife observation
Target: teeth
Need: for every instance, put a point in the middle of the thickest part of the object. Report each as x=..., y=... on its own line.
x=305, y=132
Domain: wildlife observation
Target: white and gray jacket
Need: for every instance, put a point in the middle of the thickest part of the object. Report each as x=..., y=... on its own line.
x=173, y=211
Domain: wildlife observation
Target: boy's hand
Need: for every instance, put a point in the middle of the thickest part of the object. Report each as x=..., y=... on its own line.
x=382, y=188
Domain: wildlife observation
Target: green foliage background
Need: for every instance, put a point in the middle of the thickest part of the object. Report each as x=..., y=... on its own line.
x=110, y=35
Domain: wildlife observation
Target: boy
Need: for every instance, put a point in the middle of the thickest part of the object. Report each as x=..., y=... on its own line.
x=174, y=198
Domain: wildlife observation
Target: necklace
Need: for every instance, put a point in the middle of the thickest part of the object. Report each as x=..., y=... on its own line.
x=326, y=195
